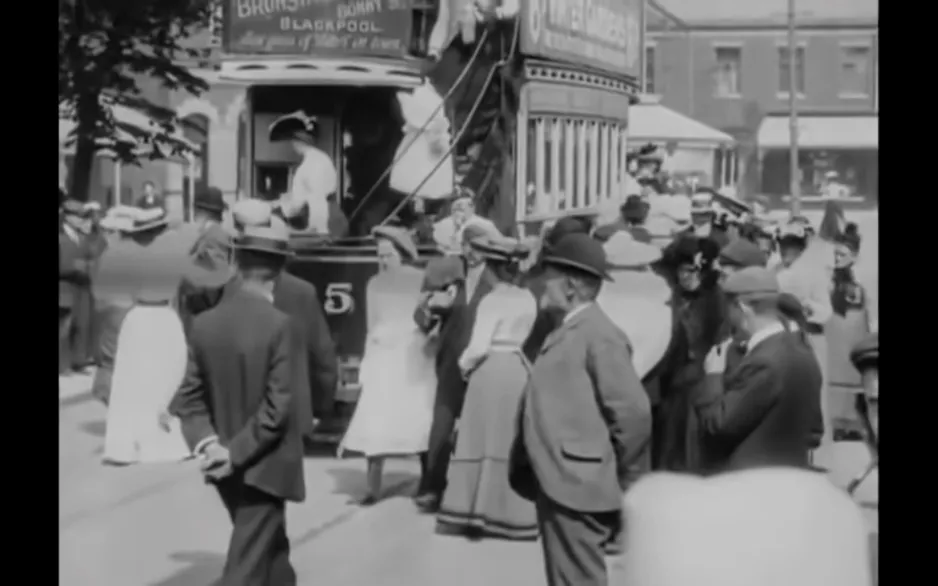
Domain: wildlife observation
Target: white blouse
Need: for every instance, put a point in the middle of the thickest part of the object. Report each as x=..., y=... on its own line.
x=505, y=317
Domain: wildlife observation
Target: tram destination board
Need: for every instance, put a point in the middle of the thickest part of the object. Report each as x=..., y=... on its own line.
x=602, y=34
x=379, y=28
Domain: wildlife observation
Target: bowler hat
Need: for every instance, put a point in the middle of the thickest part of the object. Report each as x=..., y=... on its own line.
x=399, y=237
x=579, y=252
x=752, y=282
x=73, y=207
x=635, y=209
x=209, y=199
x=443, y=271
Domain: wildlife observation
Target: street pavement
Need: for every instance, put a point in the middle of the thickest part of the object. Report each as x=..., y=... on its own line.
x=160, y=525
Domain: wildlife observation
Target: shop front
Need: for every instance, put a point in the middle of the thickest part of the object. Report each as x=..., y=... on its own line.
x=842, y=149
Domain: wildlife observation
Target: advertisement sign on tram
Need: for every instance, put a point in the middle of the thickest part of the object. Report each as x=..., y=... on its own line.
x=603, y=34
x=369, y=28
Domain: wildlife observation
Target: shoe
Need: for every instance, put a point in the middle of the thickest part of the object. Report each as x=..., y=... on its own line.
x=368, y=501
x=428, y=503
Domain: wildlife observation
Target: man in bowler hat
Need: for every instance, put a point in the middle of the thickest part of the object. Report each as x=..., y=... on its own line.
x=238, y=411
x=585, y=421
x=766, y=413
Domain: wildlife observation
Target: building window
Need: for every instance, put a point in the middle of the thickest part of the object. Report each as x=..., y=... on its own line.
x=855, y=71
x=783, y=75
x=729, y=67
x=649, y=70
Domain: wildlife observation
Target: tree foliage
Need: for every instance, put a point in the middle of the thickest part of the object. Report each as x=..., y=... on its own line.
x=106, y=47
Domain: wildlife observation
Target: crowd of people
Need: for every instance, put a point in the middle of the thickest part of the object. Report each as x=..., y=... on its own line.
x=537, y=380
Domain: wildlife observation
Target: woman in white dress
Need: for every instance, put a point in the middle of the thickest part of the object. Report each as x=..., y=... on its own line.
x=478, y=500
x=143, y=269
x=397, y=372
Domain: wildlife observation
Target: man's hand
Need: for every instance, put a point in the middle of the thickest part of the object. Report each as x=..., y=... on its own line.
x=715, y=362
x=216, y=462
x=163, y=419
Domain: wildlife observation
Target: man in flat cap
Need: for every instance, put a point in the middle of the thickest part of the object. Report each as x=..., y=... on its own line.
x=239, y=413
x=585, y=421
x=766, y=414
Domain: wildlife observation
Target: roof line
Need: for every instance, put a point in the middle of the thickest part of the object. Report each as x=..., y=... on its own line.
x=667, y=14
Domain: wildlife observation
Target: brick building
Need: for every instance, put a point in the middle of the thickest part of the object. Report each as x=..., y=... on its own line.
x=725, y=63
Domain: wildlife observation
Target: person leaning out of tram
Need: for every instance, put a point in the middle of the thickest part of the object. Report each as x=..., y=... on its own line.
x=850, y=323
x=478, y=499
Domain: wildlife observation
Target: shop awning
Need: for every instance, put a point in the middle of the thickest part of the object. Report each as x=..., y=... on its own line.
x=821, y=132
x=649, y=121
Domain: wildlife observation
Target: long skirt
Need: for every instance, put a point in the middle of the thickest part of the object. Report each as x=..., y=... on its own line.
x=148, y=368
x=478, y=498
x=819, y=345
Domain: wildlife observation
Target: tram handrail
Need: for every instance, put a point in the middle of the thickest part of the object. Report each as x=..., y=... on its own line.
x=475, y=106
x=426, y=124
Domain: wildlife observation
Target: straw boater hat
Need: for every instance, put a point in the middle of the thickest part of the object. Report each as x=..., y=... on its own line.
x=399, y=237
x=134, y=220
x=794, y=232
x=623, y=251
x=259, y=229
x=580, y=253
x=295, y=126
x=702, y=203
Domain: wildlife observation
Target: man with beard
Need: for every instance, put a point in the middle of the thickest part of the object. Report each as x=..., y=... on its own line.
x=456, y=313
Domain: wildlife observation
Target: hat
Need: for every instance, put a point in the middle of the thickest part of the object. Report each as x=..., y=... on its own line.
x=701, y=203
x=500, y=248
x=443, y=271
x=259, y=229
x=399, y=237
x=209, y=199
x=752, y=282
x=623, y=251
x=635, y=209
x=793, y=230
x=865, y=354
x=133, y=220
x=565, y=226
x=742, y=253
x=478, y=227
x=689, y=249
x=92, y=207
x=581, y=253
x=295, y=126
x=850, y=237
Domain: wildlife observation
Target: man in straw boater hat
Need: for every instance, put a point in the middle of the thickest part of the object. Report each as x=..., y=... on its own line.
x=315, y=180
x=239, y=412
x=75, y=300
x=585, y=420
x=766, y=413
x=703, y=213
x=315, y=351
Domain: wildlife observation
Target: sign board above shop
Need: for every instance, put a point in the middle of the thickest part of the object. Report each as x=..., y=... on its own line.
x=369, y=28
x=601, y=34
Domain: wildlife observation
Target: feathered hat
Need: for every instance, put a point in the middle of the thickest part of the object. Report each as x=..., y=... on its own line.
x=295, y=126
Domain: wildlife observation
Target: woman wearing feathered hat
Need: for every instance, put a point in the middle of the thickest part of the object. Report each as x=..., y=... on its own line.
x=314, y=180
x=699, y=323
x=395, y=409
x=478, y=499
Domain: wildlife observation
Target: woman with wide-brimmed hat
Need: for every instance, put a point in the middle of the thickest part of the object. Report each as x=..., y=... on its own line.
x=478, y=499
x=397, y=372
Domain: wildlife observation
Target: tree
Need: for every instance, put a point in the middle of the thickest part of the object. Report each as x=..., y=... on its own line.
x=105, y=47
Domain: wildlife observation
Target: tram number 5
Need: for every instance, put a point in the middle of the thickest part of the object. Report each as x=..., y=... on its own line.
x=339, y=299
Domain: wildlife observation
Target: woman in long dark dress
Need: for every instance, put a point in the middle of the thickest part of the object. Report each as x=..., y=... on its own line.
x=699, y=324
x=478, y=500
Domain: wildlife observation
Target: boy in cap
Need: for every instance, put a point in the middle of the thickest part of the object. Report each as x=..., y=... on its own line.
x=767, y=412
x=585, y=421
x=239, y=414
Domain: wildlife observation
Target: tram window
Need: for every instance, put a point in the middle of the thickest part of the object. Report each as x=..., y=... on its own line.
x=592, y=192
x=604, y=165
x=613, y=144
x=273, y=180
x=556, y=164
x=531, y=193
x=582, y=166
x=569, y=163
x=548, y=156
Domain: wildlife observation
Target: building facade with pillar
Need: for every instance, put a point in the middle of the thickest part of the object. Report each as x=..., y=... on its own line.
x=726, y=63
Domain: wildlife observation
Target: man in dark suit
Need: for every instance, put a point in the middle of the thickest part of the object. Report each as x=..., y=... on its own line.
x=213, y=245
x=316, y=363
x=766, y=414
x=585, y=421
x=76, y=304
x=150, y=198
x=455, y=330
x=239, y=413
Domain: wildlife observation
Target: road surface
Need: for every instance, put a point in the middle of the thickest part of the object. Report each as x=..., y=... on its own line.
x=159, y=525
